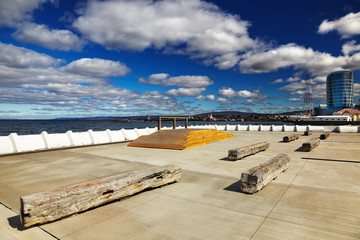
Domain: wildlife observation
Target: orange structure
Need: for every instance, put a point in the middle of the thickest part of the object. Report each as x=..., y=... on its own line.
x=180, y=139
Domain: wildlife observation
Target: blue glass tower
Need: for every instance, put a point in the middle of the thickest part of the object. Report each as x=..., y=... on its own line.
x=340, y=89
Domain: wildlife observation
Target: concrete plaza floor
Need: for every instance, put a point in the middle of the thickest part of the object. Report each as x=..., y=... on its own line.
x=318, y=197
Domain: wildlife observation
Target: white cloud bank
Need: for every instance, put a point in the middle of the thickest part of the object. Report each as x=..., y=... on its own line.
x=195, y=28
x=97, y=67
x=164, y=79
x=54, y=39
x=19, y=57
x=28, y=77
x=185, y=92
x=13, y=11
x=346, y=26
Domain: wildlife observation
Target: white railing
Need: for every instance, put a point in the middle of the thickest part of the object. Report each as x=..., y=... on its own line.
x=27, y=143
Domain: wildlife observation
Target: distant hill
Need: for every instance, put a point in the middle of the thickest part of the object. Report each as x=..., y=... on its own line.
x=215, y=114
x=244, y=114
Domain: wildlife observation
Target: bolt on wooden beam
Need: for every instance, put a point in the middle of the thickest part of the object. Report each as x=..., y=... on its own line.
x=49, y=206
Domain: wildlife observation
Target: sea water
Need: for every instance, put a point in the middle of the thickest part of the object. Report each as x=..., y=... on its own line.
x=26, y=127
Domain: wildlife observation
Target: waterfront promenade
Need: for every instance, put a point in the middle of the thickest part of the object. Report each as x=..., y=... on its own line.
x=318, y=197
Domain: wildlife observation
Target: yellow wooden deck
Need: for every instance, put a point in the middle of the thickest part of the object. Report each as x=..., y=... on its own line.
x=180, y=139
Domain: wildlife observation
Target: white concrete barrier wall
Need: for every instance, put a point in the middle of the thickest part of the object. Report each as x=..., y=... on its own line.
x=99, y=137
x=265, y=128
x=79, y=138
x=300, y=128
x=117, y=136
x=6, y=146
x=276, y=128
x=316, y=128
x=142, y=132
x=130, y=134
x=56, y=140
x=343, y=129
x=27, y=143
x=253, y=127
x=288, y=128
x=220, y=127
x=241, y=127
x=230, y=127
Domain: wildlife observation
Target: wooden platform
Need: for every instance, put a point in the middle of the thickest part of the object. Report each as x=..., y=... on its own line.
x=180, y=139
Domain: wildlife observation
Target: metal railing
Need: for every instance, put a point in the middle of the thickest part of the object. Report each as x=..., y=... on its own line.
x=174, y=121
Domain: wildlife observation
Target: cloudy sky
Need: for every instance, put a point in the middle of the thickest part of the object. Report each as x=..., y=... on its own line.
x=61, y=58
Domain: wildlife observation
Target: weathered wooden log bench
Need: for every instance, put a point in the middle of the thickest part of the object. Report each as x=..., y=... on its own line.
x=291, y=137
x=256, y=178
x=308, y=133
x=324, y=136
x=44, y=207
x=242, y=152
x=310, y=145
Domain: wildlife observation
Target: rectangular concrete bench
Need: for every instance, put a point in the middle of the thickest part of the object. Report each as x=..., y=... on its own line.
x=49, y=206
x=242, y=152
x=291, y=137
x=310, y=145
x=256, y=178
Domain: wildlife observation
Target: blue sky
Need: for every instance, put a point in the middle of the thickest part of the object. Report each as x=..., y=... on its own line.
x=123, y=58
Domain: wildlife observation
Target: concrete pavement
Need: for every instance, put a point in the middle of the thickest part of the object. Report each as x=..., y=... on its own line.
x=318, y=197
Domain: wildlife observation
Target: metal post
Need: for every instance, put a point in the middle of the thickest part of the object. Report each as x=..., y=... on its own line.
x=174, y=123
x=159, y=123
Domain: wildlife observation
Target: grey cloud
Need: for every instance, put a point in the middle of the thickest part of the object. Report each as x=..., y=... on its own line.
x=164, y=80
x=20, y=57
x=97, y=67
x=54, y=39
x=12, y=11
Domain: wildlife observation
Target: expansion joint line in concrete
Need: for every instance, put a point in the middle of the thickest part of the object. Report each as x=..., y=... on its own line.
x=277, y=202
x=50, y=233
x=38, y=227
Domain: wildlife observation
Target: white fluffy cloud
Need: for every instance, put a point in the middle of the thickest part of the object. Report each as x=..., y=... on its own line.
x=169, y=25
x=292, y=55
x=210, y=97
x=164, y=80
x=231, y=93
x=185, y=91
x=54, y=39
x=97, y=67
x=20, y=57
x=13, y=11
x=350, y=47
x=27, y=77
x=346, y=26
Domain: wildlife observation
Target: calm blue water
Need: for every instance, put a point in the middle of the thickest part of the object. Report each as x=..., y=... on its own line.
x=24, y=127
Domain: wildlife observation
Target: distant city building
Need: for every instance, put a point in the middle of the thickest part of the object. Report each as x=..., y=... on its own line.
x=353, y=113
x=339, y=93
x=340, y=89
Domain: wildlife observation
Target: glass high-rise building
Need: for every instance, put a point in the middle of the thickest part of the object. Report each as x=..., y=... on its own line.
x=340, y=89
